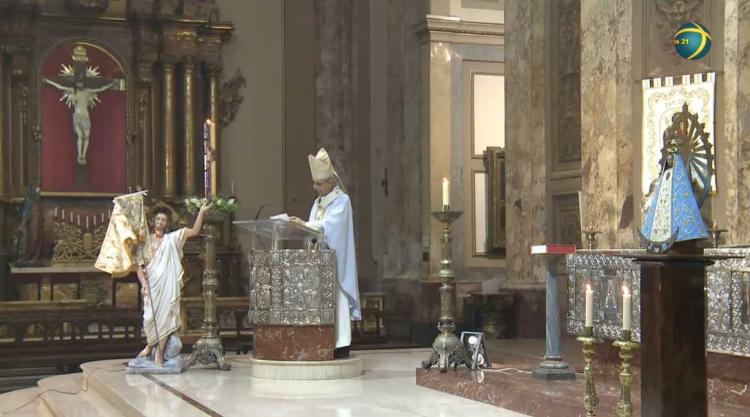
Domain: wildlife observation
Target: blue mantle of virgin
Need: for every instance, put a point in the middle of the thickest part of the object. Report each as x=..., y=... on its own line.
x=673, y=205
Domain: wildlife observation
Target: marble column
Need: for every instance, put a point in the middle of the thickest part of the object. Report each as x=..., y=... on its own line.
x=214, y=72
x=188, y=121
x=406, y=206
x=527, y=48
x=733, y=161
x=607, y=120
x=3, y=156
x=334, y=82
x=169, y=175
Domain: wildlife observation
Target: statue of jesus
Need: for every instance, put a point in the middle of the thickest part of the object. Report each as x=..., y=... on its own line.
x=81, y=99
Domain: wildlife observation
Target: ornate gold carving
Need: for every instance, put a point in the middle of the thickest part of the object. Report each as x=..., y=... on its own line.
x=182, y=36
x=168, y=123
x=73, y=243
x=231, y=97
x=144, y=127
x=189, y=169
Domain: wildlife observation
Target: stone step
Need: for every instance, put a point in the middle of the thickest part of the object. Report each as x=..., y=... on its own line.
x=20, y=378
x=69, y=396
x=133, y=394
x=23, y=403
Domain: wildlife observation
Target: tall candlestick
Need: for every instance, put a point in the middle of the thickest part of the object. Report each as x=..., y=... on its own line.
x=446, y=193
x=589, y=306
x=626, y=308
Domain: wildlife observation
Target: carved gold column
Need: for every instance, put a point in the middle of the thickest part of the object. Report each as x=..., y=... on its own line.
x=188, y=98
x=20, y=59
x=214, y=72
x=144, y=121
x=169, y=184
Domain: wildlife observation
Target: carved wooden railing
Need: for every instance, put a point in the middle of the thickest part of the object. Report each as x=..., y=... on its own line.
x=39, y=333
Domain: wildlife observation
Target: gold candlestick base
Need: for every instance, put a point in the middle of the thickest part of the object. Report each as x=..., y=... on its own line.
x=626, y=346
x=590, y=238
x=590, y=399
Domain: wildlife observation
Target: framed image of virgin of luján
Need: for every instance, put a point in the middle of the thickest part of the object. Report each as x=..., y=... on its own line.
x=83, y=112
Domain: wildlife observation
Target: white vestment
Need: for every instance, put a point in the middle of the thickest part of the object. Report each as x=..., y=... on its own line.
x=333, y=214
x=164, y=277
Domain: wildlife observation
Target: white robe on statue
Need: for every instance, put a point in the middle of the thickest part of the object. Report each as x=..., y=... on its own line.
x=333, y=214
x=164, y=275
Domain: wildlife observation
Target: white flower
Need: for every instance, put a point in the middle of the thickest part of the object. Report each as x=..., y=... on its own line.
x=231, y=201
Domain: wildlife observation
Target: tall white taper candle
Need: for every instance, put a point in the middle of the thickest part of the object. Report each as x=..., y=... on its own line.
x=589, y=306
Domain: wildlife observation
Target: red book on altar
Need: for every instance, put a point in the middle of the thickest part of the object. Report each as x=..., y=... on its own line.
x=552, y=249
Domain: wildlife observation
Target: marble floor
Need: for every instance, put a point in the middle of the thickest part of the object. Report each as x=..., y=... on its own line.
x=387, y=387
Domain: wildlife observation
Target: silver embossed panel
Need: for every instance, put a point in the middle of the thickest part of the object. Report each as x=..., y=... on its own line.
x=292, y=287
x=727, y=296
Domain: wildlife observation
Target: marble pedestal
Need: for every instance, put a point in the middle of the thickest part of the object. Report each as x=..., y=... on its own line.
x=306, y=370
x=293, y=343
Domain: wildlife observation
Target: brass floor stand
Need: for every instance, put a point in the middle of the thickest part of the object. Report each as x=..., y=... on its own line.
x=209, y=349
x=447, y=350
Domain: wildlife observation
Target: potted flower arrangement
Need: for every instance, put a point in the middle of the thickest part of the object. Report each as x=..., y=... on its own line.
x=219, y=205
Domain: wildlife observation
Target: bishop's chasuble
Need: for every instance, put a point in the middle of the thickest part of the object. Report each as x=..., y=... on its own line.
x=332, y=214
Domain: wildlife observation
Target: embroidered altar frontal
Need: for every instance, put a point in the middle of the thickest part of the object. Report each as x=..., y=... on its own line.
x=727, y=289
x=292, y=287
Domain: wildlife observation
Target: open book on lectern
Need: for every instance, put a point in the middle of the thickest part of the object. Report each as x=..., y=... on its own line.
x=297, y=223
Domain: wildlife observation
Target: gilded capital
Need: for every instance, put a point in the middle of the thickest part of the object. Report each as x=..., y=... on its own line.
x=170, y=60
x=214, y=69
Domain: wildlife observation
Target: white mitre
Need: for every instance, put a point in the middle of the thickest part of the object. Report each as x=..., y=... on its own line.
x=321, y=167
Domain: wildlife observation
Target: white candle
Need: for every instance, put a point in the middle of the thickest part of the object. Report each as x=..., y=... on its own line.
x=87, y=222
x=63, y=214
x=626, y=308
x=589, y=306
x=55, y=211
x=79, y=219
x=580, y=209
x=232, y=187
x=446, y=192
x=102, y=217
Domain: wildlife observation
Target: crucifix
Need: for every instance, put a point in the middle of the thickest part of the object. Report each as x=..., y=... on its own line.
x=81, y=84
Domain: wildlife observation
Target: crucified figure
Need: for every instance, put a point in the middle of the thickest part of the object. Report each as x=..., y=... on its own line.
x=81, y=99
